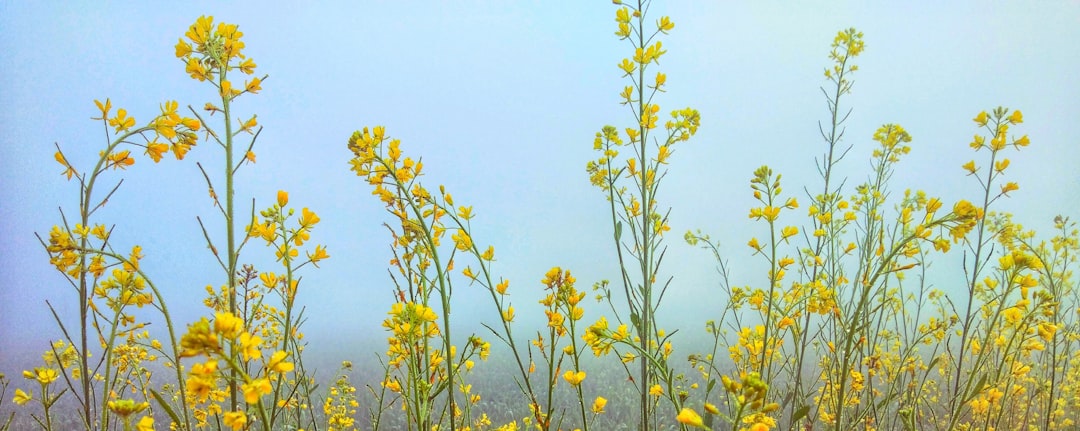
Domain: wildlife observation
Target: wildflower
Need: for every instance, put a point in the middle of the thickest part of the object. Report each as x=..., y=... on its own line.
x=201, y=380
x=146, y=423
x=105, y=108
x=970, y=167
x=277, y=363
x=320, y=254
x=228, y=325
x=981, y=119
x=253, y=86
x=256, y=389
x=656, y=390
x=125, y=408
x=235, y=420
x=121, y=121
x=598, y=405
x=22, y=397
x=574, y=378
x=249, y=346
x=1017, y=117
x=689, y=417
x=199, y=340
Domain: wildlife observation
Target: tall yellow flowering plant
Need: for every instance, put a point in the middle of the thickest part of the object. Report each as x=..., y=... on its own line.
x=631, y=185
x=112, y=287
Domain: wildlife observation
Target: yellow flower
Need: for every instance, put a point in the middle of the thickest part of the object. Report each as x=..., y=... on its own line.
x=68, y=170
x=689, y=417
x=788, y=232
x=664, y=24
x=23, y=397
x=277, y=363
x=253, y=86
x=970, y=167
x=183, y=49
x=155, y=150
x=1001, y=165
x=256, y=389
x=145, y=424
x=462, y=240
x=125, y=408
x=598, y=405
x=308, y=218
x=105, y=108
x=43, y=375
x=235, y=420
x=711, y=409
x=196, y=69
x=247, y=66
x=320, y=254
x=981, y=119
x=1017, y=117
x=574, y=378
x=228, y=325
x=201, y=380
x=656, y=390
x=249, y=346
x=753, y=243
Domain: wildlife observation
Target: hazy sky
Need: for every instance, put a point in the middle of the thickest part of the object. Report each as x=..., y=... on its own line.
x=502, y=99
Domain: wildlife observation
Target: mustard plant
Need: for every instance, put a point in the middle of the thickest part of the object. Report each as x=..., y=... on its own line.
x=631, y=185
x=424, y=366
x=112, y=287
x=109, y=284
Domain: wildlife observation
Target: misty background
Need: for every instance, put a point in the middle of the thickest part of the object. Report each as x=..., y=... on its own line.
x=502, y=100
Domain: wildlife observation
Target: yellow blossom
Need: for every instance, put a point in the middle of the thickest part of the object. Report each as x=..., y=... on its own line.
x=277, y=363
x=145, y=423
x=598, y=405
x=689, y=417
x=574, y=378
x=235, y=420
x=1017, y=117
x=256, y=389
x=981, y=119
x=228, y=325
x=22, y=397
x=250, y=346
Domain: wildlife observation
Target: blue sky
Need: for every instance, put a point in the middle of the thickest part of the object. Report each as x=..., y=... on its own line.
x=502, y=99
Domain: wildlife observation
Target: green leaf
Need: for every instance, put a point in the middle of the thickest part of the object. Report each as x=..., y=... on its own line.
x=800, y=413
x=165, y=406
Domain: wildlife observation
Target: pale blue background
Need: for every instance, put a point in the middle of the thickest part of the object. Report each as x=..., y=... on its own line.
x=502, y=99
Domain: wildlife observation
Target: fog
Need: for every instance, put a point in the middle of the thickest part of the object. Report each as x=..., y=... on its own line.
x=502, y=100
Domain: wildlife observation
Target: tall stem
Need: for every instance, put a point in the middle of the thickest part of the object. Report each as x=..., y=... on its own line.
x=230, y=229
